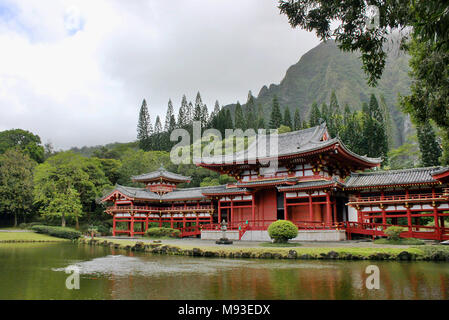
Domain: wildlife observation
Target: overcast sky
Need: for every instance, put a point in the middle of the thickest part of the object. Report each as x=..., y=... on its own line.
x=75, y=72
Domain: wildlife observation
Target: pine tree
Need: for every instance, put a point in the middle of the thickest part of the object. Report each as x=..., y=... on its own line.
x=144, y=127
x=239, y=119
x=251, y=118
x=228, y=124
x=204, y=116
x=156, y=137
x=189, y=112
x=276, y=116
x=374, y=135
x=325, y=113
x=182, y=114
x=168, y=125
x=287, y=120
x=315, y=115
x=198, y=108
x=428, y=145
x=260, y=117
x=297, y=124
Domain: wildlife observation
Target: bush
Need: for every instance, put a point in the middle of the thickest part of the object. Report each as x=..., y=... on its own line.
x=282, y=230
x=394, y=233
x=163, y=232
x=59, y=232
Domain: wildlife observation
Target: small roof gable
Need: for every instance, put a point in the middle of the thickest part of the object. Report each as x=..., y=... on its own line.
x=160, y=173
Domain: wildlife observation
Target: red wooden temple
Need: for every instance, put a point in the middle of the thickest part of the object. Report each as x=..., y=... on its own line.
x=317, y=183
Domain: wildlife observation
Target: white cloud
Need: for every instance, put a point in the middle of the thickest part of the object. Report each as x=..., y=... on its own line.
x=75, y=72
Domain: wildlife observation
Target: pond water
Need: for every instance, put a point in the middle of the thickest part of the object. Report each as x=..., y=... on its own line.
x=37, y=271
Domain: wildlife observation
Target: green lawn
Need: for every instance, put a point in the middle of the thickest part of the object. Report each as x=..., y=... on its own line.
x=27, y=236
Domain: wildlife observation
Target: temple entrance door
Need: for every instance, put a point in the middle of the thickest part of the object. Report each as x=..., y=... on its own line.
x=280, y=205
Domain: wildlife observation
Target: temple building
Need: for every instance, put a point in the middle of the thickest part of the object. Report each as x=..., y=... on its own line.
x=312, y=180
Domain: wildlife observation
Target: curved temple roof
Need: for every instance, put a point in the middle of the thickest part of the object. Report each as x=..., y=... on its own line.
x=160, y=173
x=302, y=142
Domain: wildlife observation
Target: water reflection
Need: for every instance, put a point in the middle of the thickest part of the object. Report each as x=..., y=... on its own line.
x=37, y=272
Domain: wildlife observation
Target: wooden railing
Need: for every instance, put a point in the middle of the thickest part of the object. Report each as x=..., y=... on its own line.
x=159, y=209
x=399, y=198
x=414, y=231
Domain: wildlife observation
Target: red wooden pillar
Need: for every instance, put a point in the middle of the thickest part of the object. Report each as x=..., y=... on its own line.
x=232, y=212
x=171, y=220
x=328, y=209
x=114, y=223
x=335, y=211
x=146, y=222
x=219, y=210
x=409, y=213
x=310, y=207
x=382, y=207
x=253, y=207
x=285, y=207
x=131, y=229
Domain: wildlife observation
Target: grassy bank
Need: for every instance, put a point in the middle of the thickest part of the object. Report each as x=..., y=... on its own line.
x=434, y=253
x=27, y=237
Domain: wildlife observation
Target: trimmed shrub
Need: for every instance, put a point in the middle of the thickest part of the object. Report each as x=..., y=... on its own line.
x=163, y=232
x=59, y=232
x=394, y=233
x=282, y=230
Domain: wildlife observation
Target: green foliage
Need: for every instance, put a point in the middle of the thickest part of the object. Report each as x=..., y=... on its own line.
x=276, y=116
x=25, y=141
x=16, y=183
x=59, y=232
x=428, y=145
x=315, y=115
x=283, y=129
x=68, y=175
x=282, y=230
x=163, y=232
x=239, y=119
x=297, y=124
x=405, y=156
x=287, y=120
x=394, y=233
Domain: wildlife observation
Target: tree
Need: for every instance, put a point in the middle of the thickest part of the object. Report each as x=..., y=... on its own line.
x=204, y=116
x=251, y=116
x=198, y=108
x=239, y=119
x=276, y=116
x=297, y=124
x=16, y=183
x=170, y=122
x=156, y=137
x=428, y=145
x=325, y=114
x=287, y=120
x=183, y=113
x=315, y=115
x=260, y=117
x=25, y=141
x=426, y=24
x=144, y=127
x=58, y=174
x=374, y=135
x=65, y=203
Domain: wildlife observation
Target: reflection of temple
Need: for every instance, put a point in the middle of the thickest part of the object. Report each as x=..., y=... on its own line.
x=313, y=184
